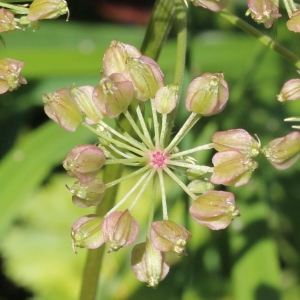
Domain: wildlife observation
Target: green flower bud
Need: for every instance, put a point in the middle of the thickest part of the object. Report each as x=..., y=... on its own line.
x=290, y=91
x=10, y=77
x=116, y=56
x=207, y=95
x=113, y=95
x=214, y=5
x=86, y=232
x=166, y=99
x=84, y=162
x=89, y=193
x=61, y=107
x=7, y=21
x=119, y=229
x=146, y=76
x=236, y=139
x=83, y=97
x=148, y=264
x=47, y=9
x=283, y=152
x=232, y=168
x=214, y=209
x=200, y=186
x=168, y=236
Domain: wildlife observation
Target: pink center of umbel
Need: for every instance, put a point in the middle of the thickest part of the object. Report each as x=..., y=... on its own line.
x=158, y=159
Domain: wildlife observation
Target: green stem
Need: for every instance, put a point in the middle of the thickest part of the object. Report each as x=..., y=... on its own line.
x=266, y=40
x=196, y=149
x=17, y=9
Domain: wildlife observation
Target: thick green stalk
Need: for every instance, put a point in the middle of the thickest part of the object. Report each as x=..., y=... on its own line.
x=266, y=40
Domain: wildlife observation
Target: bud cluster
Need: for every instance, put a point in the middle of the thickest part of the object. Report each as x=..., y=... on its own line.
x=131, y=82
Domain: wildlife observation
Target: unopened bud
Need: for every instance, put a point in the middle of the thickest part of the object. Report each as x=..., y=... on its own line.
x=207, y=95
x=7, y=21
x=119, y=229
x=113, y=95
x=293, y=24
x=200, y=186
x=89, y=193
x=232, y=168
x=214, y=209
x=166, y=99
x=290, y=91
x=84, y=162
x=236, y=139
x=61, y=107
x=47, y=9
x=10, y=74
x=86, y=232
x=148, y=264
x=83, y=96
x=283, y=152
x=168, y=236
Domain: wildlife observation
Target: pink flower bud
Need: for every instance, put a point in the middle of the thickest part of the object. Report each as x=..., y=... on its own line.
x=148, y=264
x=214, y=209
x=83, y=96
x=283, y=152
x=113, y=95
x=86, y=232
x=293, y=24
x=47, y=9
x=119, y=229
x=166, y=99
x=10, y=77
x=168, y=236
x=61, y=107
x=7, y=21
x=232, y=168
x=84, y=162
x=89, y=193
x=207, y=95
x=214, y=5
x=236, y=139
x=146, y=76
x=263, y=11
x=116, y=56
x=290, y=91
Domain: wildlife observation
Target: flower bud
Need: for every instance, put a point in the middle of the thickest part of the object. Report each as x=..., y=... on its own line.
x=148, y=264
x=113, y=95
x=10, y=77
x=200, y=186
x=7, y=21
x=119, y=229
x=168, y=236
x=166, y=99
x=207, y=95
x=214, y=5
x=290, y=91
x=293, y=24
x=214, y=209
x=232, y=168
x=47, y=9
x=61, y=107
x=83, y=97
x=84, y=162
x=86, y=194
x=116, y=57
x=283, y=152
x=86, y=232
x=146, y=76
x=263, y=11
x=236, y=139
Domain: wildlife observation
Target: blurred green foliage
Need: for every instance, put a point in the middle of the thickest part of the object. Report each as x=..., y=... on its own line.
x=256, y=258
